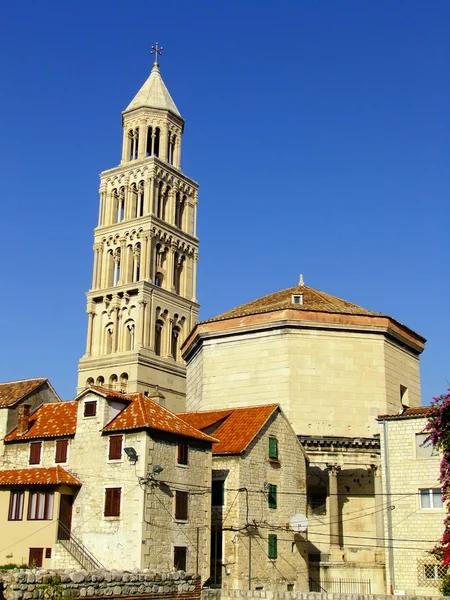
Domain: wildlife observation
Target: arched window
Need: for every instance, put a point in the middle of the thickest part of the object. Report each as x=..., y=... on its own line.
x=116, y=273
x=165, y=200
x=148, y=150
x=177, y=270
x=129, y=335
x=172, y=141
x=89, y=381
x=140, y=200
x=136, y=263
x=124, y=382
x=159, y=277
x=159, y=200
x=100, y=381
x=174, y=345
x=179, y=210
x=113, y=382
x=133, y=199
x=121, y=205
x=131, y=143
x=109, y=332
x=158, y=336
x=156, y=142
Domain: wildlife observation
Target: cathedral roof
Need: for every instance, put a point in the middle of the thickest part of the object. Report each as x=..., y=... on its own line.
x=311, y=300
x=154, y=94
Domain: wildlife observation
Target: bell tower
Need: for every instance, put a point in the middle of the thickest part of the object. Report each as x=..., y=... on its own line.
x=142, y=303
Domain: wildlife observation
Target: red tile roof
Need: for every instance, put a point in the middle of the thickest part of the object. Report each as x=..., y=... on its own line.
x=418, y=411
x=37, y=476
x=108, y=393
x=237, y=427
x=49, y=420
x=14, y=391
x=144, y=413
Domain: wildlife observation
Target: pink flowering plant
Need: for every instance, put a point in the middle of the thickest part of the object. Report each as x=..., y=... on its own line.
x=438, y=430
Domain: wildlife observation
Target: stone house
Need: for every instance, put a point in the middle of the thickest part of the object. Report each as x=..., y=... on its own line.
x=333, y=367
x=106, y=480
x=258, y=485
x=413, y=519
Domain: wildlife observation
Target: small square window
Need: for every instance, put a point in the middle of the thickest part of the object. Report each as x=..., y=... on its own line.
x=48, y=553
x=297, y=299
x=183, y=453
x=272, y=551
x=90, y=408
x=180, y=558
x=431, y=498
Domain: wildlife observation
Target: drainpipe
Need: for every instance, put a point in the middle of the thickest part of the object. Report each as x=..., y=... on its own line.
x=389, y=512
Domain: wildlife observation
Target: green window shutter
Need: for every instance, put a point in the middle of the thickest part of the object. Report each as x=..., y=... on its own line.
x=272, y=546
x=273, y=447
x=272, y=496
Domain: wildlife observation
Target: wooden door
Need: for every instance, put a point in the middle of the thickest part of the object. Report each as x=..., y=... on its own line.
x=35, y=558
x=65, y=516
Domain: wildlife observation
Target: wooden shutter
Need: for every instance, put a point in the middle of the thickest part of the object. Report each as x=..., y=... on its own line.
x=35, y=453
x=183, y=451
x=272, y=496
x=112, y=502
x=61, y=451
x=181, y=505
x=273, y=448
x=90, y=408
x=272, y=551
x=35, y=557
x=115, y=447
x=179, y=558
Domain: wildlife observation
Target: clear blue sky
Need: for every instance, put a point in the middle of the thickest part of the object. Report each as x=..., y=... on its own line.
x=318, y=131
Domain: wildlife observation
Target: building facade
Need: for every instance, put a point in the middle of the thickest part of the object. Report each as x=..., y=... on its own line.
x=106, y=480
x=414, y=515
x=142, y=303
x=258, y=490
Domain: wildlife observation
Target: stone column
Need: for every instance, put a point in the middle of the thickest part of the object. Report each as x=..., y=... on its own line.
x=163, y=143
x=141, y=324
x=333, y=502
x=152, y=149
x=125, y=147
x=142, y=139
x=98, y=280
x=91, y=314
x=149, y=197
x=177, y=160
x=136, y=259
x=95, y=268
x=148, y=343
x=194, y=220
x=116, y=313
x=169, y=325
x=171, y=267
x=194, y=276
x=100, y=208
x=171, y=201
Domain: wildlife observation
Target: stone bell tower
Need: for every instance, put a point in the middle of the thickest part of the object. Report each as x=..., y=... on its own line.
x=142, y=303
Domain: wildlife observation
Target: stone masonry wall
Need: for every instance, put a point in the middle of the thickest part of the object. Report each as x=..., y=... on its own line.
x=209, y=594
x=28, y=584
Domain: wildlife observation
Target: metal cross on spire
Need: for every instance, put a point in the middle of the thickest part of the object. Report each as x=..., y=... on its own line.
x=156, y=49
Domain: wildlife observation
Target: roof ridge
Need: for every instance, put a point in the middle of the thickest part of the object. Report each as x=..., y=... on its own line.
x=27, y=379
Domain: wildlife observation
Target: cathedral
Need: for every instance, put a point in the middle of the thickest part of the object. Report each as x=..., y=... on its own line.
x=142, y=303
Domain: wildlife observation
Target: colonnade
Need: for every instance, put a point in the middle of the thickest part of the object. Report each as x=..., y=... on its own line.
x=147, y=139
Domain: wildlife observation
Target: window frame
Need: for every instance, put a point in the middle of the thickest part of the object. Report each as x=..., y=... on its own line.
x=185, y=549
x=47, y=509
x=90, y=403
x=272, y=546
x=181, y=505
x=112, y=505
x=272, y=496
x=61, y=451
x=115, y=447
x=35, y=447
x=15, y=510
x=273, y=448
x=183, y=454
x=431, y=497
x=216, y=493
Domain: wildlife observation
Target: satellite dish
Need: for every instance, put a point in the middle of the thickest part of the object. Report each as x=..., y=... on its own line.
x=299, y=523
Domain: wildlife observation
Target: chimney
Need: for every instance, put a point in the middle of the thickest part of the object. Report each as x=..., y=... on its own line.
x=23, y=419
x=156, y=396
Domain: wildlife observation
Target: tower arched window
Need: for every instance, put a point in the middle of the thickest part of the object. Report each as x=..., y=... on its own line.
x=124, y=382
x=159, y=201
x=140, y=200
x=159, y=278
x=158, y=336
x=175, y=343
x=117, y=265
x=89, y=381
x=177, y=271
x=156, y=142
x=150, y=140
x=179, y=210
x=109, y=332
x=129, y=335
x=113, y=382
x=100, y=381
x=136, y=263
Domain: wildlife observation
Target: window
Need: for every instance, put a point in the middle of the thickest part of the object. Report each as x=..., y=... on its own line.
x=218, y=493
x=115, y=447
x=90, y=408
x=297, y=299
x=112, y=502
x=48, y=553
x=35, y=557
x=272, y=551
x=158, y=337
x=424, y=449
x=40, y=506
x=431, y=498
x=181, y=505
x=318, y=505
x=35, y=453
x=16, y=506
x=272, y=496
x=434, y=571
x=61, y=451
x=180, y=558
x=183, y=453
x=273, y=448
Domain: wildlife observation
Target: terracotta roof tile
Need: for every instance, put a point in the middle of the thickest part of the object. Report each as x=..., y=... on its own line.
x=37, y=476
x=313, y=300
x=238, y=428
x=144, y=413
x=108, y=393
x=49, y=420
x=13, y=391
x=417, y=411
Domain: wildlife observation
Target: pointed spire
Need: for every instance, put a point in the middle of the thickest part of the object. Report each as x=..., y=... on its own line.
x=301, y=281
x=154, y=93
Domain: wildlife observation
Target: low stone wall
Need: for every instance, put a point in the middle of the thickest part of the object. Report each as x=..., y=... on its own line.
x=209, y=594
x=39, y=583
